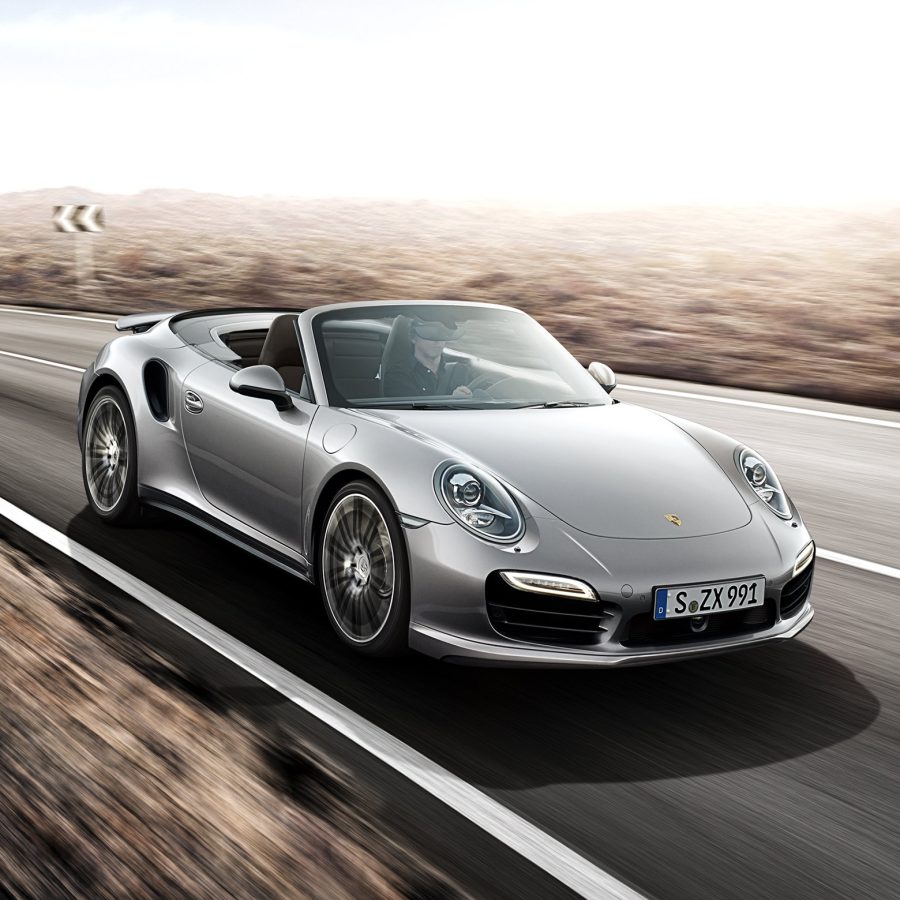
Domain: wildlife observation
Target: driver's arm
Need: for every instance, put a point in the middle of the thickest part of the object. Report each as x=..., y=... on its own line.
x=459, y=380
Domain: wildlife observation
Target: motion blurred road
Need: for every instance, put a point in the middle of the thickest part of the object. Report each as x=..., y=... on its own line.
x=767, y=773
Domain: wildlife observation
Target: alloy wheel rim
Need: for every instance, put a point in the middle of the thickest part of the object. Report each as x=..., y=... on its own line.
x=106, y=454
x=358, y=568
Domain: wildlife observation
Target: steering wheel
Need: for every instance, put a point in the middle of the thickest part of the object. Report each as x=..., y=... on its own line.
x=510, y=388
x=483, y=381
x=478, y=384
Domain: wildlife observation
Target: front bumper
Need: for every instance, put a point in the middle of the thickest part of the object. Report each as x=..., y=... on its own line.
x=451, y=648
x=450, y=572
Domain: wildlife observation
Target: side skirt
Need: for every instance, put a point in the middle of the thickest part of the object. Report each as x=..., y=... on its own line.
x=187, y=511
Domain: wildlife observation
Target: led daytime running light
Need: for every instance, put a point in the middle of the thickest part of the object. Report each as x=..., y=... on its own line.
x=804, y=558
x=558, y=585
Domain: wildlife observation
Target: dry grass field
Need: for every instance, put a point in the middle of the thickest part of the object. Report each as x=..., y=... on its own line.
x=121, y=776
x=805, y=302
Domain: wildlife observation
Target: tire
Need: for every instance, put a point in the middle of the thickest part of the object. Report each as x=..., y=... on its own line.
x=109, y=458
x=363, y=571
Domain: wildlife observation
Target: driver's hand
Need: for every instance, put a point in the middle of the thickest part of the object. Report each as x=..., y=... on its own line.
x=462, y=391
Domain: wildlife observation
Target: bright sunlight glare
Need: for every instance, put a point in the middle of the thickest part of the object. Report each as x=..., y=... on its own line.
x=565, y=104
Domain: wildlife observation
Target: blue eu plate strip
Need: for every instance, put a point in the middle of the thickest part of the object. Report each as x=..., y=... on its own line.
x=659, y=608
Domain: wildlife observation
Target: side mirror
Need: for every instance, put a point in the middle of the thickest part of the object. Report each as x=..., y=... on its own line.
x=603, y=375
x=262, y=382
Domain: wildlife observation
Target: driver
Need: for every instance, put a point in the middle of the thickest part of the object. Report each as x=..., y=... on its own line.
x=427, y=371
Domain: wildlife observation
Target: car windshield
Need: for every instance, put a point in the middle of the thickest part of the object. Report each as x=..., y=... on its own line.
x=446, y=356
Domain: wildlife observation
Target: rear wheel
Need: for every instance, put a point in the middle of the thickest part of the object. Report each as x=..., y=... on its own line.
x=363, y=571
x=109, y=458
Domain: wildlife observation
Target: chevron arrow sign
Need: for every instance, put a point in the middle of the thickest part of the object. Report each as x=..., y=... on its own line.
x=88, y=217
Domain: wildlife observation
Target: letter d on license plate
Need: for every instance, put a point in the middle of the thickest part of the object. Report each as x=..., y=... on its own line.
x=707, y=599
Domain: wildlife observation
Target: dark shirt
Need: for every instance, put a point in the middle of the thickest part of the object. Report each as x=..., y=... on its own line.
x=410, y=381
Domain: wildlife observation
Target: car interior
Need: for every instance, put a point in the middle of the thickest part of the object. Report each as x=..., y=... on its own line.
x=358, y=352
x=355, y=354
x=277, y=346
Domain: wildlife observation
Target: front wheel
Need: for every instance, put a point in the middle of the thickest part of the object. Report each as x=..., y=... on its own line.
x=109, y=458
x=363, y=571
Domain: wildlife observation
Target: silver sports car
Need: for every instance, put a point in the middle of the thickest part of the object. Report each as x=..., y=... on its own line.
x=451, y=478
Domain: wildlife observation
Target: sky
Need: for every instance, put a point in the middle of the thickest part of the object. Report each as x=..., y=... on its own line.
x=564, y=104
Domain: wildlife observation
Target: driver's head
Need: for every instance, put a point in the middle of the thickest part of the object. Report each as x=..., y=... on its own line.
x=434, y=330
x=430, y=337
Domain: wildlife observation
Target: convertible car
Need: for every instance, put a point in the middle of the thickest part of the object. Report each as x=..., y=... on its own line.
x=451, y=479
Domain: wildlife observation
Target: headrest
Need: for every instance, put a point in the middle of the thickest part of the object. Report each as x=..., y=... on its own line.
x=397, y=347
x=282, y=346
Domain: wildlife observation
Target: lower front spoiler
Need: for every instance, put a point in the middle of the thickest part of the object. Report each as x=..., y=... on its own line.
x=451, y=648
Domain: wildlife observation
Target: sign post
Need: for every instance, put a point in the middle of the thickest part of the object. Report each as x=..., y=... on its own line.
x=82, y=221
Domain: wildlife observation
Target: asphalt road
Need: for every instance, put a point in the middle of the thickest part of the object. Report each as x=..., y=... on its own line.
x=769, y=773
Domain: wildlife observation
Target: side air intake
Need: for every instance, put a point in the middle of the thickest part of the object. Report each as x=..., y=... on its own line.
x=156, y=387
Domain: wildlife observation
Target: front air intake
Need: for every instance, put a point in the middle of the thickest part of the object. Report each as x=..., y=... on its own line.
x=645, y=631
x=544, y=618
x=795, y=592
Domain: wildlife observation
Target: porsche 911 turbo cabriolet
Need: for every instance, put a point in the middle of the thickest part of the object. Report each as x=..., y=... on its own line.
x=451, y=479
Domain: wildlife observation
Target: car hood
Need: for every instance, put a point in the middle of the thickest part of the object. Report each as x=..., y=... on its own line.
x=610, y=471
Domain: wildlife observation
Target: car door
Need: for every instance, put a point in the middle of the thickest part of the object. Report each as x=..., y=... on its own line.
x=247, y=456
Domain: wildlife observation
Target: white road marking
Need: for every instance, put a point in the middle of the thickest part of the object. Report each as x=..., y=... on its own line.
x=832, y=555
x=549, y=854
x=31, y=312
x=800, y=411
x=43, y=362
x=857, y=563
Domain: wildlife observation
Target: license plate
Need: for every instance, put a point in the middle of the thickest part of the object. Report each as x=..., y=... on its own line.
x=707, y=599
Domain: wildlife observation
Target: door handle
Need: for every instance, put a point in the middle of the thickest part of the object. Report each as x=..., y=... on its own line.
x=192, y=402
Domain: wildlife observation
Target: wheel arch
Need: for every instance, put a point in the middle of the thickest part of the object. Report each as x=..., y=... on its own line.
x=102, y=380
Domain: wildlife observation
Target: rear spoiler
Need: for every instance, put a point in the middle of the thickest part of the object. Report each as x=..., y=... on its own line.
x=141, y=321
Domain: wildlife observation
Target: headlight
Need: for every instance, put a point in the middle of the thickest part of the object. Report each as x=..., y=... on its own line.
x=479, y=502
x=763, y=480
